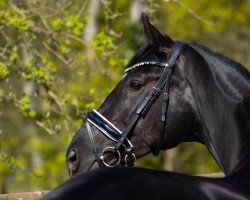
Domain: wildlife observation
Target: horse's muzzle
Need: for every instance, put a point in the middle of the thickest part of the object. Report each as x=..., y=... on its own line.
x=72, y=162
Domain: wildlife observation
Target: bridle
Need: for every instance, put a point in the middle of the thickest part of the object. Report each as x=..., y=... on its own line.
x=121, y=138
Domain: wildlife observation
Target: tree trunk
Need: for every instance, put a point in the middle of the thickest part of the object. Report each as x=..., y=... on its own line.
x=136, y=8
x=169, y=159
x=91, y=27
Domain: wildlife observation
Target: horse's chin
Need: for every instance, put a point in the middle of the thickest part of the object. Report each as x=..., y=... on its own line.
x=85, y=169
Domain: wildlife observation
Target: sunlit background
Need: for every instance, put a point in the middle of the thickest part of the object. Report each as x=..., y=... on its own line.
x=60, y=59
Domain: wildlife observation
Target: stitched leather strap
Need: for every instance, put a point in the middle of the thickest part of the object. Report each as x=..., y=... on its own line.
x=155, y=92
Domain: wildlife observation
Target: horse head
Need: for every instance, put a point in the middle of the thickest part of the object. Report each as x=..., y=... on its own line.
x=167, y=117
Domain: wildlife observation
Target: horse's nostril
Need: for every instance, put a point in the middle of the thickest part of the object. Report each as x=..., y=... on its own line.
x=72, y=162
x=72, y=156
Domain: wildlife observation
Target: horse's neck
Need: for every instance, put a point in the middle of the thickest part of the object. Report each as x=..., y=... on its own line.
x=221, y=94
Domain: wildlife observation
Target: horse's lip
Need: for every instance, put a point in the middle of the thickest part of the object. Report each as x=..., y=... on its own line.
x=89, y=168
x=84, y=171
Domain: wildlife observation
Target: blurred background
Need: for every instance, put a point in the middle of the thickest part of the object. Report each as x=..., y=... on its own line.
x=60, y=59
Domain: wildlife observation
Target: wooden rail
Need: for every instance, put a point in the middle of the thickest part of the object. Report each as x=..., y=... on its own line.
x=24, y=196
x=213, y=175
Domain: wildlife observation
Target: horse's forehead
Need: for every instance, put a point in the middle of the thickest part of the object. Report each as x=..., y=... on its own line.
x=143, y=70
x=148, y=55
x=140, y=56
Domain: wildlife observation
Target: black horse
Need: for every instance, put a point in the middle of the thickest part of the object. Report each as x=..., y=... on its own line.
x=206, y=98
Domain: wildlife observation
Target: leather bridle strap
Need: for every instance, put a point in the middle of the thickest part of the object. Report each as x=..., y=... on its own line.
x=97, y=120
x=98, y=156
x=171, y=62
x=155, y=92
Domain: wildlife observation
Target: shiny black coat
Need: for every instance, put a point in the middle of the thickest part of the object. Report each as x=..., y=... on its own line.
x=137, y=183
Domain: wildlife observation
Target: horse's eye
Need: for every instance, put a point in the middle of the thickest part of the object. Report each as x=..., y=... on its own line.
x=135, y=85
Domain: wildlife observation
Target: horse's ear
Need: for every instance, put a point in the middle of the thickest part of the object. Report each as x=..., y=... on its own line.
x=155, y=38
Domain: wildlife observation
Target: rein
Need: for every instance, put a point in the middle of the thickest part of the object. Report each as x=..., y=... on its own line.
x=121, y=138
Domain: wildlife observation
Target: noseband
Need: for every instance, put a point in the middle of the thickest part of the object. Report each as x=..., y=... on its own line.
x=121, y=138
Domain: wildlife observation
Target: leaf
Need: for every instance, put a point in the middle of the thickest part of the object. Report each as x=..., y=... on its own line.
x=32, y=113
x=4, y=71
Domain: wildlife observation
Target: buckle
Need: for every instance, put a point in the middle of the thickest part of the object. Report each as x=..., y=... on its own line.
x=111, y=150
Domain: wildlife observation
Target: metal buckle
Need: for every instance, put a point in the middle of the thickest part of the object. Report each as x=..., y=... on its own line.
x=112, y=150
x=128, y=160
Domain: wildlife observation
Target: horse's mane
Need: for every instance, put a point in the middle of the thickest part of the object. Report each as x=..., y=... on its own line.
x=219, y=59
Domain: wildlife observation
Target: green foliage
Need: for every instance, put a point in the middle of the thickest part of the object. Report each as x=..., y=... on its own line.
x=13, y=20
x=103, y=42
x=31, y=72
x=4, y=71
x=24, y=107
x=8, y=161
x=196, y=155
x=72, y=23
x=50, y=75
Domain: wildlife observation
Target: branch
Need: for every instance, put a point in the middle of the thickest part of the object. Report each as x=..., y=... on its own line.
x=192, y=12
x=89, y=47
x=81, y=9
x=60, y=57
